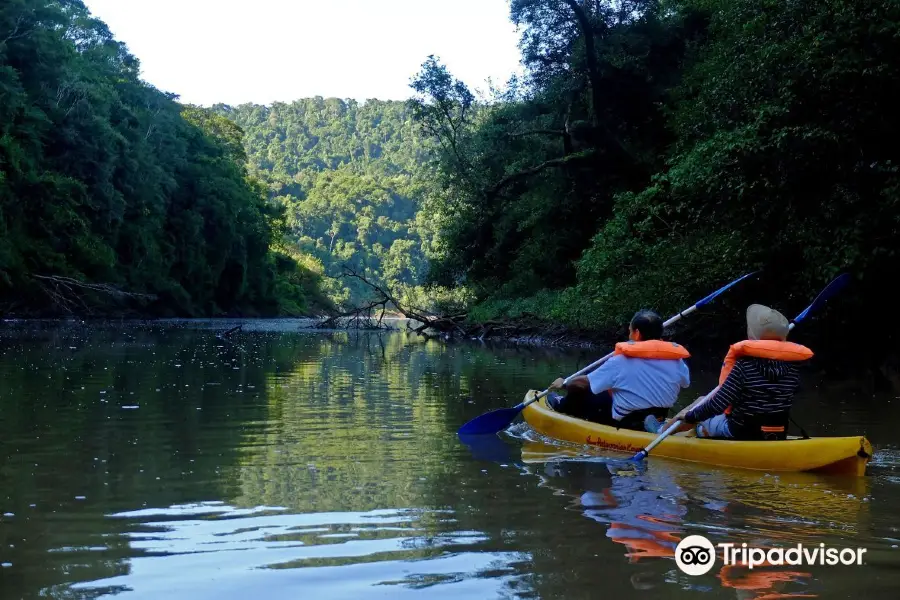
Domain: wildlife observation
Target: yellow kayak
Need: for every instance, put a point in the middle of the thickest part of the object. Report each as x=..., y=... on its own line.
x=830, y=455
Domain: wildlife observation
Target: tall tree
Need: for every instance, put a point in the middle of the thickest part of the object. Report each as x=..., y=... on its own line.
x=533, y=173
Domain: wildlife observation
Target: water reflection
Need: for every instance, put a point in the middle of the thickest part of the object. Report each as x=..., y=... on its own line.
x=649, y=511
x=157, y=461
x=148, y=459
x=240, y=550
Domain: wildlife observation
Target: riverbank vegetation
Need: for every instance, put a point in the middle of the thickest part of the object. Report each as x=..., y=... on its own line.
x=657, y=149
x=654, y=150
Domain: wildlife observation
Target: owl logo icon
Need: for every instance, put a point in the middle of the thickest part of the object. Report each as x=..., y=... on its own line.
x=695, y=555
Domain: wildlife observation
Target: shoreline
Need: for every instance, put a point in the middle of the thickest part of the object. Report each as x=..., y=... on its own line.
x=706, y=351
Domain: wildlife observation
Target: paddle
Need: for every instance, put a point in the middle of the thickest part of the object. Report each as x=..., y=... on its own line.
x=498, y=420
x=830, y=290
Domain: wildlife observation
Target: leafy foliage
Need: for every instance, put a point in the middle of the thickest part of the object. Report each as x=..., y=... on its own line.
x=532, y=174
x=350, y=178
x=716, y=136
x=105, y=178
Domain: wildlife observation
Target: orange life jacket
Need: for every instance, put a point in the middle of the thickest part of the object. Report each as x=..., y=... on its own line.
x=652, y=349
x=774, y=349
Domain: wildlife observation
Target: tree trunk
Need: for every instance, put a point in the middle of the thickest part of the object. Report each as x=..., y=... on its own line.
x=590, y=50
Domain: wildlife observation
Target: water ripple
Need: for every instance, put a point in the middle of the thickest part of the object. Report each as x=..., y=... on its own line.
x=232, y=547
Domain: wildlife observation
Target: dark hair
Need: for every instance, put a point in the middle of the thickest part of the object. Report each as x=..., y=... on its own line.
x=648, y=323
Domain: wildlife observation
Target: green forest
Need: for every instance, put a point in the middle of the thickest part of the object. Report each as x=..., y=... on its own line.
x=350, y=178
x=115, y=197
x=658, y=149
x=653, y=150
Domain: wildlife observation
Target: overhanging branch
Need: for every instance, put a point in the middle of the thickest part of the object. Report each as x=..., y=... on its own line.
x=550, y=164
x=66, y=293
x=555, y=132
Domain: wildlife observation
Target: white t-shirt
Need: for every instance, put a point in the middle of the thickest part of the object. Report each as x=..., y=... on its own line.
x=639, y=383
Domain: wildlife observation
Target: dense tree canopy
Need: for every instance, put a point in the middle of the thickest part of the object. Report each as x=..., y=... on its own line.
x=654, y=150
x=659, y=148
x=105, y=179
x=350, y=178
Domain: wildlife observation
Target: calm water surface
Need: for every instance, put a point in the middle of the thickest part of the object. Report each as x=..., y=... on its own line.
x=162, y=462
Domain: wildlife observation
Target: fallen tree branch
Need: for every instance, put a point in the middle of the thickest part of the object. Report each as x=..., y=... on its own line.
x=225, y=334
x=428, y=321
x=525, y=327
x=360, y=317
x=104, y=288
x=66, y=293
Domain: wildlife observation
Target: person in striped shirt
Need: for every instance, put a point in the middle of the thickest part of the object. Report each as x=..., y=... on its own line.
x=755, y=399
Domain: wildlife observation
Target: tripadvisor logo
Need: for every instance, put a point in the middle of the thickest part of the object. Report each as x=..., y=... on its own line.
x=696, y=555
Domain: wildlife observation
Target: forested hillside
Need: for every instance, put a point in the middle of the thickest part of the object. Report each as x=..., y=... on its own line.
x=655, y=150
x=658, y=149
x=351, y=178
x=113, y=196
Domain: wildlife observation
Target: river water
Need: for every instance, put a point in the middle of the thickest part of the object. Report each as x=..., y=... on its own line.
x=159, y=461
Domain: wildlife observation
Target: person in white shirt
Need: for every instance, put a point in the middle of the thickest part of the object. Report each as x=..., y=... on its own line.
x=643, y=378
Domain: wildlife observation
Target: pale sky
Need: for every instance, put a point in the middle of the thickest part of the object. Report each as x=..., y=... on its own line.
x=236, y=51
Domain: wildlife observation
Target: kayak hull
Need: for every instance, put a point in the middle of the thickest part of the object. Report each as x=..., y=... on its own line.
x=829, y=455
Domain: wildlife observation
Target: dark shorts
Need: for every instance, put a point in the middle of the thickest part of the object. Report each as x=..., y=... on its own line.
x=597, y=408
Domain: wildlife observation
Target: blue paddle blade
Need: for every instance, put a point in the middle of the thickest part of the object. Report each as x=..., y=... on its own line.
x=830, y=290
x=639, y=456
x=492, y=422
x=722, y=290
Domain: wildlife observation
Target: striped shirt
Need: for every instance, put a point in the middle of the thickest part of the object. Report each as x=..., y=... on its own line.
x=755, y=387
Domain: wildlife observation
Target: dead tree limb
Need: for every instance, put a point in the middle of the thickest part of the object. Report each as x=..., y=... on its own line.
x=104, y=288
x=67, y=294
x=225, y=334
x=439, y=323
x=359, y=317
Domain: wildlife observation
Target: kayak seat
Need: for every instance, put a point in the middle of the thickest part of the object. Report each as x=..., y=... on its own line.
x=635, y=420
